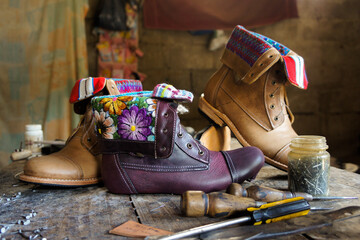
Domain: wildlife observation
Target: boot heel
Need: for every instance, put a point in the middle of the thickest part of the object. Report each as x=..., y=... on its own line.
x=210, y=111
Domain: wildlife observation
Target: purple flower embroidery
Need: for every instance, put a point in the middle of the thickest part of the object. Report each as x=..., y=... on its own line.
x=134, y=124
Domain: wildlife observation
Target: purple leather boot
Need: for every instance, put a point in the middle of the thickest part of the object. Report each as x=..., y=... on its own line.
x=146, y=150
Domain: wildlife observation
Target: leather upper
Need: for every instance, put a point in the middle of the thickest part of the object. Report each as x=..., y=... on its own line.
x=72, y=163
x=129, y=167
x=256, y=107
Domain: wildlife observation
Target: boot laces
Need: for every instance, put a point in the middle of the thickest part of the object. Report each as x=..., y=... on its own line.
x=273, y=93
x=189, y=145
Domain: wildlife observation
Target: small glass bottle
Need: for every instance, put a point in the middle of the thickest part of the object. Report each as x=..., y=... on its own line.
x=309, y=165
x=33, y=133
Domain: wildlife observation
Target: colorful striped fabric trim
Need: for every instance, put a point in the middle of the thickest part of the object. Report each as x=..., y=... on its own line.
x=250, y=46
x=128, y=85
x=247, y=45
x=295, y=71
x=129, y=94
x=162, y=90
x=281, y=48
x=168, y=91
x=87, y=87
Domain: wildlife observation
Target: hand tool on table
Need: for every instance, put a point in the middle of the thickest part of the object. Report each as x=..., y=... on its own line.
x=20, y=153
x=217, y=204
x=214, y=204
x=332, y=223
x=266, y=194
x=266, y=213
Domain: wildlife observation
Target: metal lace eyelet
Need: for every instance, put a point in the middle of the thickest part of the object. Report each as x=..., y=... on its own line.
x=165, y=130
x=261, y=64
x=189, y=146
x=180, y=135
x=201, y=153
x=166, y=115
x=273, y=82
x=276, y=118
x=271, y=95
x=163, y=149
x=270, y=56
x=89, y=139
x=272, y=106
x=251, y=75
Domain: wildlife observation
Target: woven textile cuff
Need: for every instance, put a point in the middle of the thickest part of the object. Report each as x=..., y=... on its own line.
x=88, y=87
x=256, y=50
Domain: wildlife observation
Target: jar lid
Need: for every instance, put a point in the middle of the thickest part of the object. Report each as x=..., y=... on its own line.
x=309, y=142
x=33, y=127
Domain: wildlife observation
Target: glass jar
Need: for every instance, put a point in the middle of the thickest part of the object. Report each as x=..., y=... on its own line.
x=33, y=135
x=309, y=165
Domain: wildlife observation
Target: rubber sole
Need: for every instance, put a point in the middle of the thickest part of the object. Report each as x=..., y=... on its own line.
x=222, y=120
x=59, y=182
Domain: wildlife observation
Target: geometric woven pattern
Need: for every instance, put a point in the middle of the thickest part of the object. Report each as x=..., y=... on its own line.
x=168, y=91
x=250, y=46
x=247, y=45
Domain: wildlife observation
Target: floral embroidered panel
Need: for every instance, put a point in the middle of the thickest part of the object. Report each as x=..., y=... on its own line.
x=125, y=117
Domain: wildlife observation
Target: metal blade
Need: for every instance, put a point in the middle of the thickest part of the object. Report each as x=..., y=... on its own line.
x=329, y=198
x=319, y=209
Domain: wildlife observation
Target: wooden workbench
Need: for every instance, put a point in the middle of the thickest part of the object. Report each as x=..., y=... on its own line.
x=90, y=212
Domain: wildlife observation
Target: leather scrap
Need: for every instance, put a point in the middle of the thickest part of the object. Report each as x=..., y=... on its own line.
x=134, y=229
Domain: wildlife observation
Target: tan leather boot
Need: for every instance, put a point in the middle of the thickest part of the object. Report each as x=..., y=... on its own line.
x=248, y=93
x=78, y=163
x=75, y=165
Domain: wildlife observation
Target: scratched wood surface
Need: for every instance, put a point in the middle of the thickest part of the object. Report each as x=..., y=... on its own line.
x=90, y=212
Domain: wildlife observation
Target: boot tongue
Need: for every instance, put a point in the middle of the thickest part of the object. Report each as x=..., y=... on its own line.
x=259, y=53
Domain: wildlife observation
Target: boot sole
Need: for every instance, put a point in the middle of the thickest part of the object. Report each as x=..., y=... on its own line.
x=59, y=182
x=222, y=120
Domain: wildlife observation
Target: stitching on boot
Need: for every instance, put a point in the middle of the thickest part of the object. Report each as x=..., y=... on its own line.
x=230, y=165
x=168, y=170
x=75, y=165
x=159, y=166
x=124, y=174
x=158, y=131
x=280, y=153
x=247, y=112
x=62, y=180
x=218, y=85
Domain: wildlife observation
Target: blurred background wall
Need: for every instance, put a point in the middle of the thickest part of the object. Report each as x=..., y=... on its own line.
x=42, y=53
x=326, y=35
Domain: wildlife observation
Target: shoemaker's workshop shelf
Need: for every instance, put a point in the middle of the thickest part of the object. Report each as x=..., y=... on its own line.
x=91, y=212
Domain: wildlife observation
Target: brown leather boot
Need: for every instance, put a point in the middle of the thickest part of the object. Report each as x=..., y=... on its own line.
x=78, y=163
x=248, y=93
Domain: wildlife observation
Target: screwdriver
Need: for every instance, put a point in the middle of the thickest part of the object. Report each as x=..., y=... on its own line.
x=217, y=204
x=214, y=204
x=267, y=194
x=266, y=213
